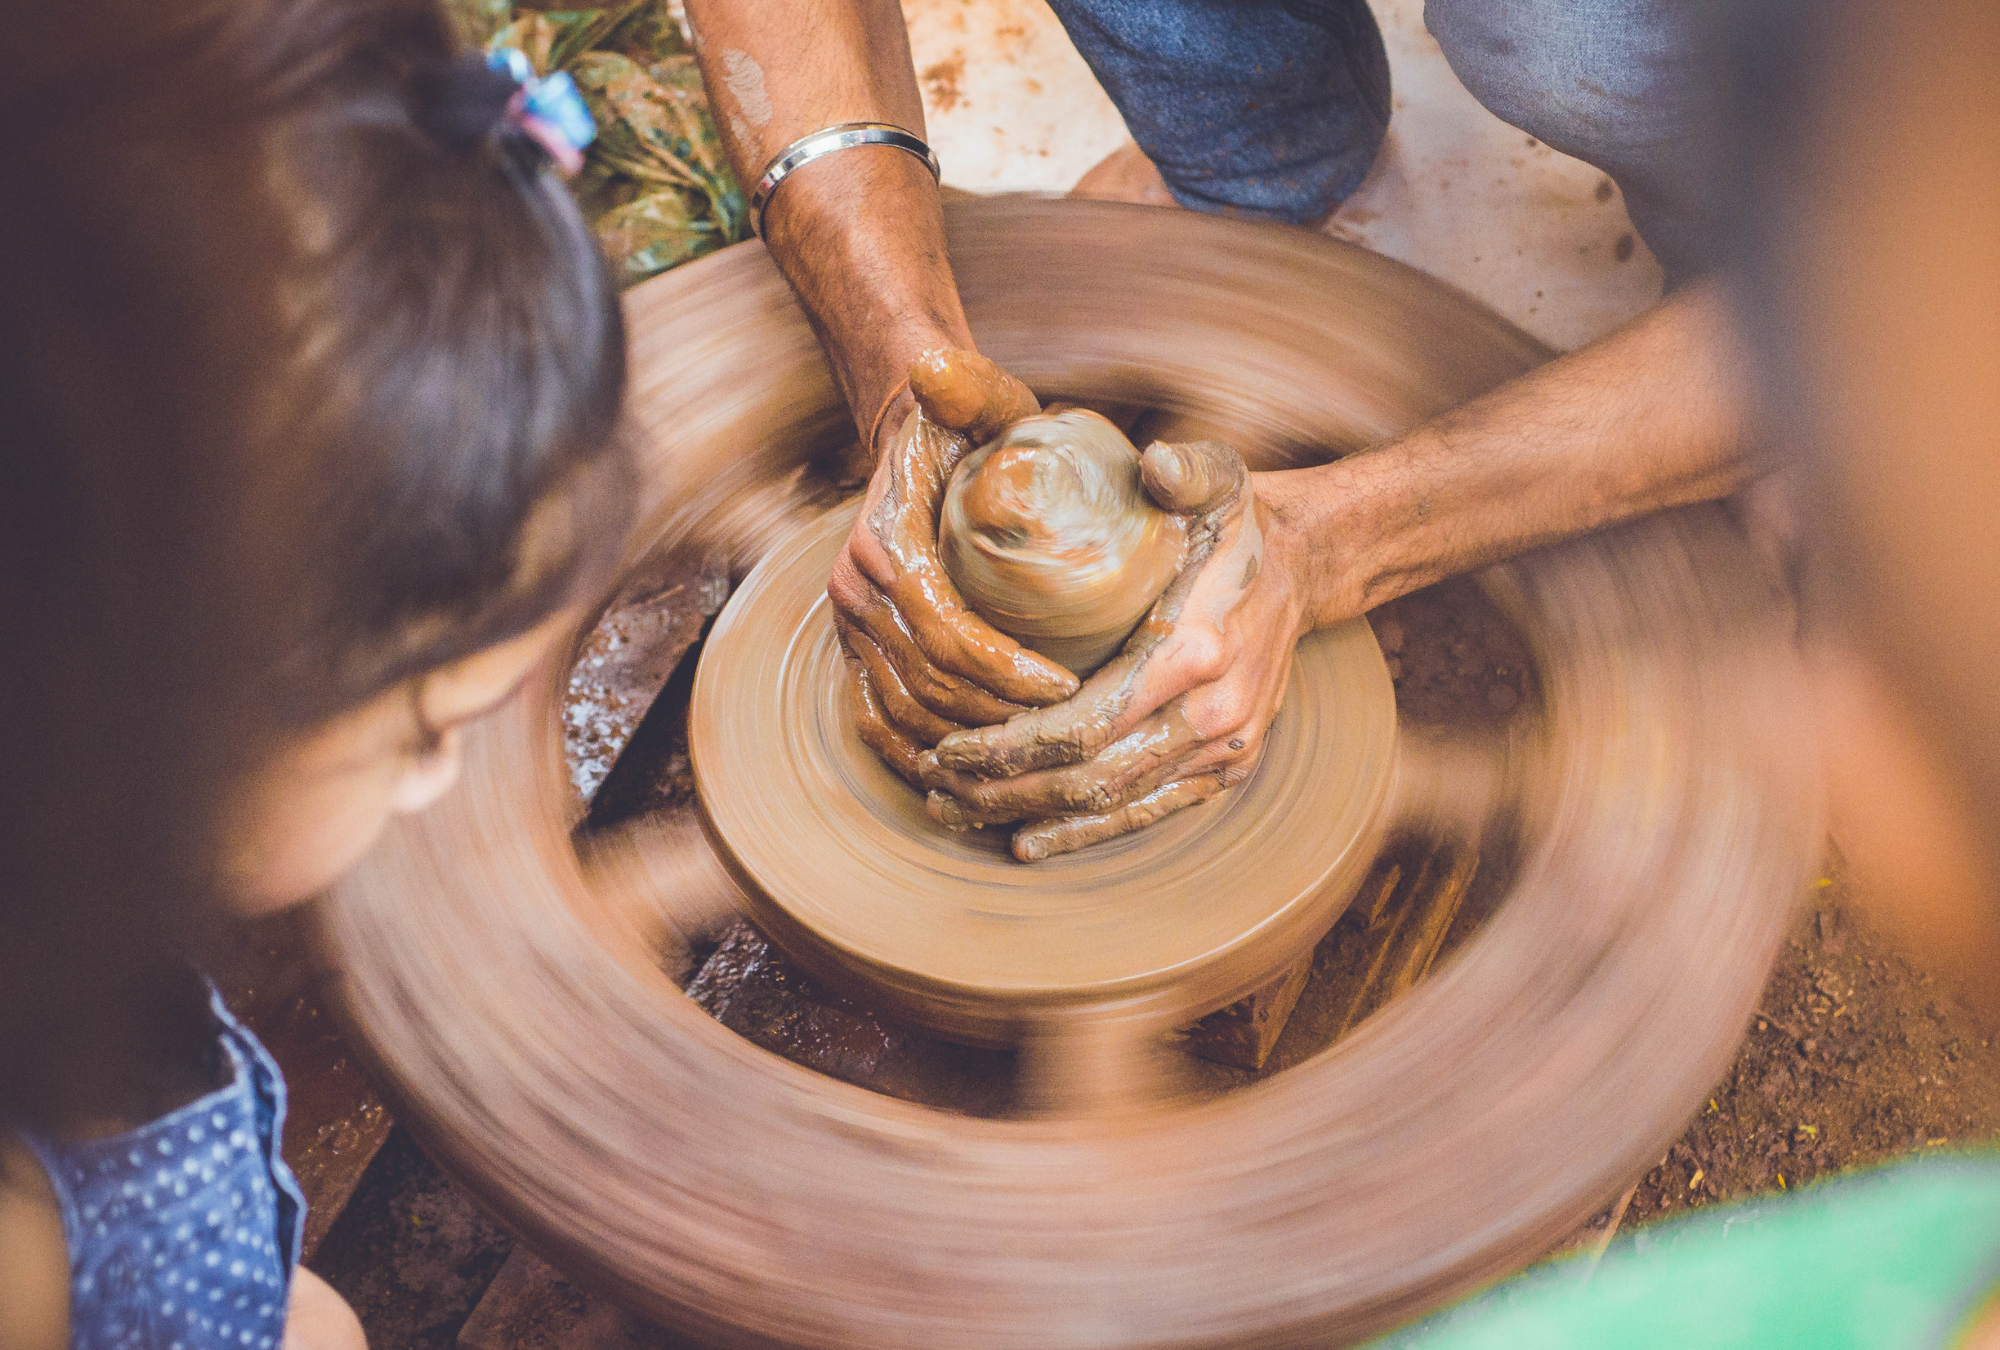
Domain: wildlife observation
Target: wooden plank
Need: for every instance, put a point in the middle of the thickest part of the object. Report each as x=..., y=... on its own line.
x=1406, y=939
x=1245, y=1033
x=1361, y=972
x=1452, y=870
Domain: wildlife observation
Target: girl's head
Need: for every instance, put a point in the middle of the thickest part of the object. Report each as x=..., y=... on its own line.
x=309, y=377
x=444, y=416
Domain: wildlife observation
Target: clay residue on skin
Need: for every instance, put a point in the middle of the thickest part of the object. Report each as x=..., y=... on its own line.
x=925, y=610
x=744, y=79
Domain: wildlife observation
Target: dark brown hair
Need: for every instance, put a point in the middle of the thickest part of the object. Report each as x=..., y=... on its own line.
x=309, y=380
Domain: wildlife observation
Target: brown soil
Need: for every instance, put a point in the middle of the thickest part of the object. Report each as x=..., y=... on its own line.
x=412, y=1252
x=1856, y=1057
x=631, y=654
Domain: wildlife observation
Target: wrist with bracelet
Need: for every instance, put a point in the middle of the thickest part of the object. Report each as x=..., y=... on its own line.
x=828, y=141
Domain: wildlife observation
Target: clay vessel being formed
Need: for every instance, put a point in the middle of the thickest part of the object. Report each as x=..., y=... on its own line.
x=1051, y=538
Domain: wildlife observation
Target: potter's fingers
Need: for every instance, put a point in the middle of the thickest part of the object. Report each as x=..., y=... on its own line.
x=1194, y=476
x=897, y=527
x=955, y=815
x=1046, y=838
x=902, y=708
x=1162, y=661
x=960, y=642
x=898, y=751
x=1228, y=760
x=1109, y=705
x=958, y=813
x=968, y=393
x=1056, y=804
x=1137, y=761
x=868, y=610
x=1043, y=738
x=945, y=694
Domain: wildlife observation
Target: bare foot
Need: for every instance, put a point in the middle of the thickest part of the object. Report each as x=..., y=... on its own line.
x=1125, y=175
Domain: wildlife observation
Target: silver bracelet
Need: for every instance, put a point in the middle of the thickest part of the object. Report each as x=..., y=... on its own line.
x=844, y=136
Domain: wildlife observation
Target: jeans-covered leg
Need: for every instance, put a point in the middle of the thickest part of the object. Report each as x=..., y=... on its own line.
x=1626, y=85
x=1270, y=108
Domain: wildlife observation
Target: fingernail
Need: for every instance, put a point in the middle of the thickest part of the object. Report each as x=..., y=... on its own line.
x=935, y=774
x=946, y=812
x=1030, y=848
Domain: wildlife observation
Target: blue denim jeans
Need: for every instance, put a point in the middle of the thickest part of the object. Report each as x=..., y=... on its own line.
x=1275, y=108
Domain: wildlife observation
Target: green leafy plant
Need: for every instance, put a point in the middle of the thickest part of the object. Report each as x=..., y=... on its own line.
x=655, y=184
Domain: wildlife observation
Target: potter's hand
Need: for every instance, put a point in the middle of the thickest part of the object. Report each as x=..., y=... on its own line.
x=1179, y=715
x=924, y=664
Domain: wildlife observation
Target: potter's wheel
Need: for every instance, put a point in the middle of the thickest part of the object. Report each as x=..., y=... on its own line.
x=844, y=867
x=511, y=1000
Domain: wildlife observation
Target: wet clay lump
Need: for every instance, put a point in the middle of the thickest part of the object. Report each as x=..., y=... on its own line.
x=1051, y=538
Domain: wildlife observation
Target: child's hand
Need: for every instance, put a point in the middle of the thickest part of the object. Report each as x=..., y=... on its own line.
x=319, y=1318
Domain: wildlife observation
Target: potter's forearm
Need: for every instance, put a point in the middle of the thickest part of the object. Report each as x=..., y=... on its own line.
x=1649, y=417
x=859, y=234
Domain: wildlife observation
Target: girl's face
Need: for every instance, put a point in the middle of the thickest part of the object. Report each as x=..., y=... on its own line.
x=312, y=809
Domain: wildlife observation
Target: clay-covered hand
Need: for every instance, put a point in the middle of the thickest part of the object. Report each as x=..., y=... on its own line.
x=1179, y=715
x=925, y=665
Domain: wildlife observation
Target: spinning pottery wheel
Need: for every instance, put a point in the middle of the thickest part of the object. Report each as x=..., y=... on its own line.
x=842, y=864
x=514, y=999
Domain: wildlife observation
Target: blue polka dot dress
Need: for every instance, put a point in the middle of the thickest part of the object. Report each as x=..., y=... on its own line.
x=183, y=1233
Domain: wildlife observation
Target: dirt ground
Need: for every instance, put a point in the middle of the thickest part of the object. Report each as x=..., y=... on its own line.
x=413, y=1253
x=1855, y=1057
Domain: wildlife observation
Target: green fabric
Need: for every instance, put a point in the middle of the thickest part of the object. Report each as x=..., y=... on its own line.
x=1892, y=1259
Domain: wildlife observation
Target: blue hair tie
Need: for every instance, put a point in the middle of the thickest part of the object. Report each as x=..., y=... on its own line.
x=549, y=109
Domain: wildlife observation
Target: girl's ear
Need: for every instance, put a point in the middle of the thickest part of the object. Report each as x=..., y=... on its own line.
x=427, y=778
x=444, y=700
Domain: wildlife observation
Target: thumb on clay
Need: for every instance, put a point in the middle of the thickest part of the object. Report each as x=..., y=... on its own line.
x=963, y=390
x=1192, y=476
